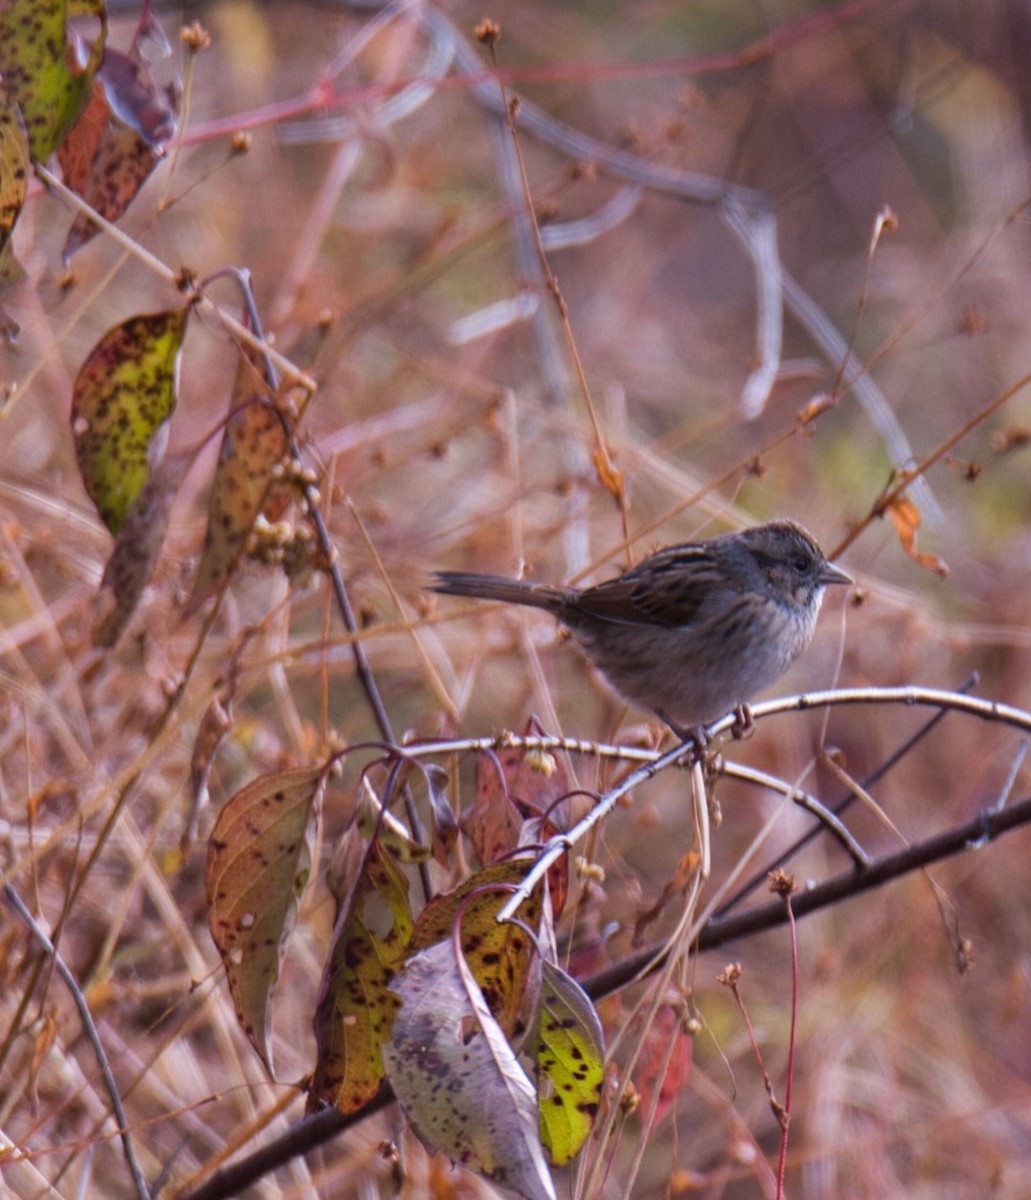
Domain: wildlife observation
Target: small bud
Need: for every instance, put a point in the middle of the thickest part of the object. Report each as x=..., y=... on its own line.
x=488, y=32
x=195, y=37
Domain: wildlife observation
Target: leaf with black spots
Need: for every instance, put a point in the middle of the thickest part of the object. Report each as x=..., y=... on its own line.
x=35, y=58
x=253, y=444
x=124, y=394
x=14, y=180
x=356, y=1008
x=501, y=957
x=569, y=1055
x=116, y=142
x=458, y=1079
x=259, y=860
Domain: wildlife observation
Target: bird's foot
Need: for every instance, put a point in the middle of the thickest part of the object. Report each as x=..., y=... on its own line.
x=744, y=723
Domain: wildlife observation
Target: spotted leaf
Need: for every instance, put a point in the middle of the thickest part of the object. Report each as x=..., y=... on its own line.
x=259, y=859
x=501, y=957
x=254, y=442
x=123, y=396
x=356, y=1007
x=458, y=1079
x=35, y=63
x=569, y=1055
x=116, y=142
x=14, y=177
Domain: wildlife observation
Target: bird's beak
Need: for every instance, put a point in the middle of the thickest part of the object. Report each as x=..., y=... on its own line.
x=832, y=574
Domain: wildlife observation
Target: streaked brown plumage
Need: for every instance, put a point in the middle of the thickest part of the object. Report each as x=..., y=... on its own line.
x=694, y=630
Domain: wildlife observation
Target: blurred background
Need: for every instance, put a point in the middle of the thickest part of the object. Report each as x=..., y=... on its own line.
x=699, y=172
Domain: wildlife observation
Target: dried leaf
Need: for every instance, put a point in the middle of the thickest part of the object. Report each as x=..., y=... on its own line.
x=356, y=1007
x=569, y=1053
x=907, y=520
x=124, y=394
x=684, y=875
x=501, y=957
x=520, y=800
x=609, y=475
x=254, y=441
x=136, y=549
x=259, y=858
x=458, y=1079
x=14, y=175
x=116, y=143
x=531, y=783
x=493, y=821
x=34, y=65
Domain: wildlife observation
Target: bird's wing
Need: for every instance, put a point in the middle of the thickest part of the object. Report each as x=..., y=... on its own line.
x=673, y=587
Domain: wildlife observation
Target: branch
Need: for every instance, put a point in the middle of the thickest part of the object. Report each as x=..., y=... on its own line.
x=15, y=902
x=972, y=835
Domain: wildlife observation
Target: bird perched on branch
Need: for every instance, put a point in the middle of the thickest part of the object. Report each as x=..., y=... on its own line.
x=693, y=631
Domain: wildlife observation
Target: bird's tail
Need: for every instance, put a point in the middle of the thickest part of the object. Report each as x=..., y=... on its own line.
x=496, y=587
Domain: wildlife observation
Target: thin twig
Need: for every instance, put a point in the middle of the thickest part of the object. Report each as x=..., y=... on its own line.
x=15, y=902
x=974, y=834
x=235, y=327
x=875, y=776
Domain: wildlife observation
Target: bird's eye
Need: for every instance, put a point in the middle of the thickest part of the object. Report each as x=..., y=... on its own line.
x=801, y=565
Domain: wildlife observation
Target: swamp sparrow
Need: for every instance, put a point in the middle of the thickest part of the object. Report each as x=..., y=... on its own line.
x=692, y=631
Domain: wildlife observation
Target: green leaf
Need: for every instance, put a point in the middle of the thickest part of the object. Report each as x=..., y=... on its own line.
x=500, y=957
x=259, y=859
x=458, y=1079
x=356, y=1007
x=34, y=64
x=14, y=179
x=569, y=1052
x=124, y=394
